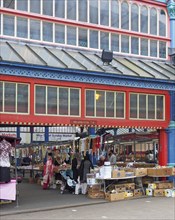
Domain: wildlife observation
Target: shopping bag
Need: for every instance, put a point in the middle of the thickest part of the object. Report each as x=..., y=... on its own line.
x=84, y=188
x=77, y=188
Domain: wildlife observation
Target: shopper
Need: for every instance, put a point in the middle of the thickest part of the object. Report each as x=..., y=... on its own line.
x=75, y=167
x=84, y=169
x=112, y=157
x=48, y=172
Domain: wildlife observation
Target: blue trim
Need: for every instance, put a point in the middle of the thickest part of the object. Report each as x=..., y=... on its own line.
x=72, y=75
x=47, y=134
x=18, y=131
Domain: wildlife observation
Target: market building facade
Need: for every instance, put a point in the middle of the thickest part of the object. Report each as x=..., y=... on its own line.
x=77, y=63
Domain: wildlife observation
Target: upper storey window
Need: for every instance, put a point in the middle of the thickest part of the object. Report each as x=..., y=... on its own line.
x=35, y=6
x=59, y=8
x=22, y=5
x=104, y=12
x=93, y=8
x=71, y=9
x=153, y=21
x=134, y=17
x=125, y=15
x=114, y=14
x=162, y=23
x=144, y=19
x=47, y=7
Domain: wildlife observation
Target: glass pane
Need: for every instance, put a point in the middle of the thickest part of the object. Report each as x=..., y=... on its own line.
x=93, y=39
x=1, y=96
x=142, y=106
x=22, y=5
x=144, y=47
x=90, y=103
x=40, y=99
x=109, y=104
x=124, y=44
x=22, y=27
x=100, y=103
x=124, y=16
x=82, y=5
x=120, y=105
x=22, y=98
x=51, y=100
x=34, y=29
x=8, y=25
x=63, y=101
x=153, y=48
x=133, y=106
x=104, y=40
x=47, y=31
x=82, y=38
x=48, y=7
x=71, y=9
x=59, y=33
x=159, y=107
x=162, y=23
x=104, y=12
x=114, y=13
x=35, y=6
x=153, y=21
x=9, y=4
x=134, y=45
x=115, y=42
x=93, y=11
x=74, y=102
x=134, y=17
x=71, y=35
x=151, y=107
x=144, y=19
x=162, y=49
x=10, y=97
x=60, y=8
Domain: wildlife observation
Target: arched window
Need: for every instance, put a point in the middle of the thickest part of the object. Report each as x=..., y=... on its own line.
x=93, y=8
x=134, y=17
x=71, y=9
x=144, y=20
x=82, y=11
x=153, y=21
x=114, y=13
x=104, y=12
x=124, y=16
x=162, y=23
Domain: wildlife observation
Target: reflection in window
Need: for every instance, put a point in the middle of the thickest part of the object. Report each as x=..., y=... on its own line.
x=134, y=45
x=115, y=42
x=35, y=6
x=144, y=19
x=35, y=29
x=22, y=5
x=47, y=31
x=82, y=5
x=71, y=35
x=153, y=21
x=104, y=12
x=124, y=44
x=93, y=11
x=82, y=37
x=8, y=23
x=100, y=103
x=104, y=40
x=114, y=13
x=52, y=100
x=40, y=100
x=151, y=107
x=142, y=106
x=162, y=49
x=134, y=17
x=22, y=27
x=60, y=8
x=109, y=104
x=59, y=33
x=9, y=4
x=90, y=107
x=63, y=101
x=47, y=7
x=162, y=23
x=120, y=105
x=124, y=15
x=133, y=106
x=71, y=9
x=159, y=107
x=144, y=47
x=93, y=39
x=22, y=98
x=74, y=102
x=153, y=48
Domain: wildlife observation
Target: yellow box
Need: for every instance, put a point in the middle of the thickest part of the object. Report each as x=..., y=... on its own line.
x=152, y=185
x=149, y=192
x=158, y=192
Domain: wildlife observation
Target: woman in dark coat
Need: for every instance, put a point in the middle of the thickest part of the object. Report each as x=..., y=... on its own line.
x=85, y=166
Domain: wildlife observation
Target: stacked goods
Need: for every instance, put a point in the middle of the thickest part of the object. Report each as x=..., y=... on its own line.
x=118, y=173
x=114, y=196
x=140, y=171
x=95, y=192
x=160, y=188
x=160, y=171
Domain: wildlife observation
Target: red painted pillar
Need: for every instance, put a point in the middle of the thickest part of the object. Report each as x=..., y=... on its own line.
x=163, y=148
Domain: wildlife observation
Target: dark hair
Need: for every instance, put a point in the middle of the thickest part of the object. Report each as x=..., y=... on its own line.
x=50, y=154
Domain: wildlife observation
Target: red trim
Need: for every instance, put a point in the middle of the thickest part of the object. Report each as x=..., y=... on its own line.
x=163, y=148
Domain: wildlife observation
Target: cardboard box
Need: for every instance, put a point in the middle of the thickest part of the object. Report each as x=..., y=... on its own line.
x=96, y=195
x=115, y=196
x=158, y=192
x=138, y=192
x=164, y=184
x=162, y=171
x=129, y=193
x=130, y=186
x=94, y=188
x=152, y=186
x=149, y=192
x=118, y=173
x=140, y=171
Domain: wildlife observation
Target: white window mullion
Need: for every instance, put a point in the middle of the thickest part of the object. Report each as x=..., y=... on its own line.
x=15, y=5
x=41, y=32
x=15, y=26
x=28, y=28
x=28, y=8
